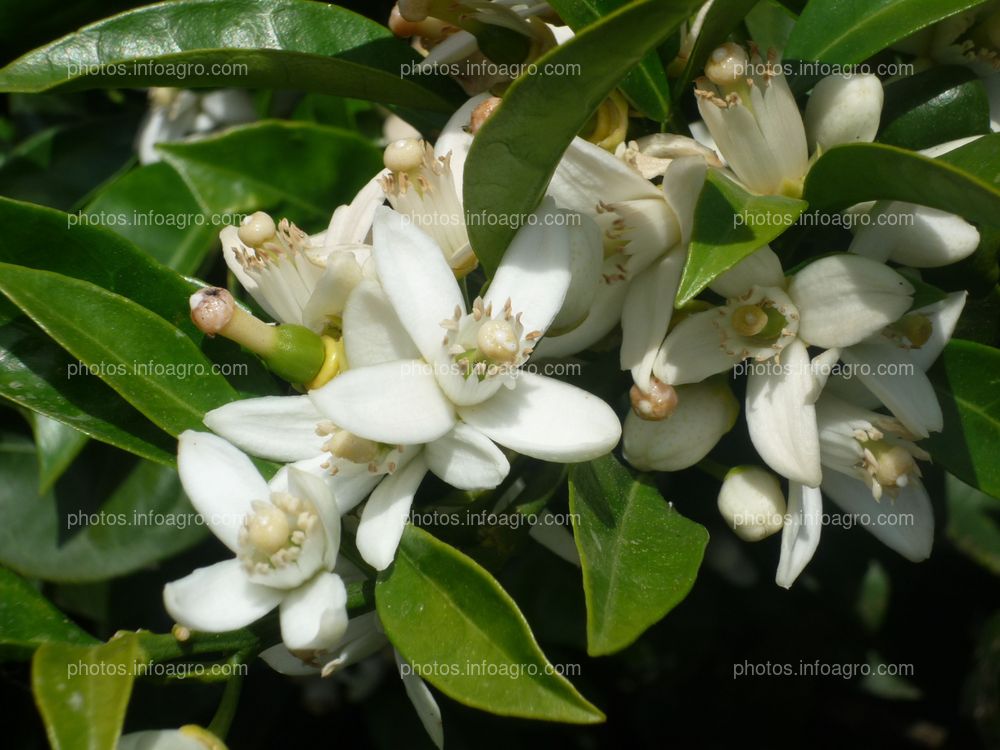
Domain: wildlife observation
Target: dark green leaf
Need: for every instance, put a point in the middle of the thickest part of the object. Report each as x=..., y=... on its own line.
x=640, y=557
x=459, y=630
x=69, y=534
x=295, y=167
x=56, y=445
x=27, y=619
x=770, y=24
x=282, y=44
x=974, y=523
x=512, y=158
x=939, y=105
x=967, y=380
x=860, y=172
x=846, y=31
x=646, y=85
x=730, y=224
x=145, y=359
x=83, y=691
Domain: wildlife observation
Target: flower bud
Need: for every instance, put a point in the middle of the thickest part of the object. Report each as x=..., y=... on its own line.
x=843, y=109
x=704, y=413
x=751, y=503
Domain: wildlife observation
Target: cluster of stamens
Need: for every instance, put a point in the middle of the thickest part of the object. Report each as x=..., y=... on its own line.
x=267, y=242
x=346, y=446
x=483, y=345
x=887, y=462
x=272, y=535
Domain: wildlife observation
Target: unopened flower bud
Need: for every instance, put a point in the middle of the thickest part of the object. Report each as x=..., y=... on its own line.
x=843, y=109
x=751, y=503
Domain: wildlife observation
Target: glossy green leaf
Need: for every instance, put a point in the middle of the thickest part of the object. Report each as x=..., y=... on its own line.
x=967, y=380
x=60, y=166
x=512, y=159
x=298, y=168
x=646, y=85
x=56, y=445
x=28, y=619
x=860, y=172
x=939, y=105
x=720, y=20
x=94, y=525
x=153, y=208
x=770, y=24
x=973, y=523
x=82, y=691
x=847, y=31
x=980, y=158
x=460, y=631
x=281, y=44
x=34, y=374
x=640, y=557
x=149, y=362
x=730, y=224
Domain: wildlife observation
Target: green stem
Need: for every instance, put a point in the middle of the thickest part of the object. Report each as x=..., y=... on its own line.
x=713, y=468
x=226, y=711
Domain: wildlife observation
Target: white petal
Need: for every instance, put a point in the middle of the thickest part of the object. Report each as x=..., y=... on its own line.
x=456, y=140
x=535, y=271
x=682, y=184
x=350, y=224
x=395, y=402
x=349, y=486
x=943, y=316
x=467, y=459
x=844, y=109
x=372, y=331
x=219, y=598
x=159, y=739
x=649, y=304
x=587, y=175
x=278, y=428
x=314, y=616
x=229, y=237
x=386, y=513
x=705, y=412
x=586, y=263
x=604, y=315
x=822, y=367
x=220, y=481
x=693, y=351
x=889, y=373
x=843, y=299
x=760, y=268
x=283, y=661
x=800, y=536
x=547, y=419
x=327, y=301
x=782, y=419
x=905, y=524
x=915, y=236
x=417, y=279
x=423, y=701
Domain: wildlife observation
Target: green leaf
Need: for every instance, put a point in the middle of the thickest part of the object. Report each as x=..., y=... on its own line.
x=153, y=208
x=730, y=224
x=460, y=631
x=512, y=159
x=973, y=523
x=939, y=105
x=73, y=535
x=646, y=85
x=720, y=20
x=82, y=691
x=56, y=445
x=770, y=24
x=60, y=166
x=33, y=374
x=860, y=172
x=280, y=44
x=640, y=557
x=846, y=31
x=967, y=379
x=293, y=167
x=149, y=362
x=27, y=619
